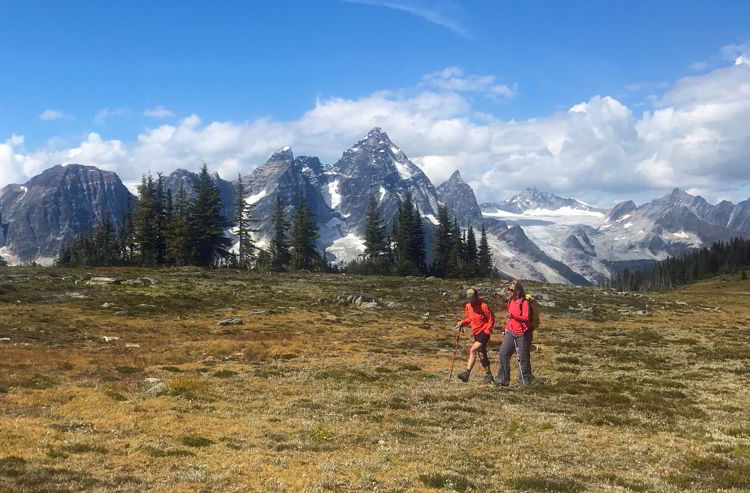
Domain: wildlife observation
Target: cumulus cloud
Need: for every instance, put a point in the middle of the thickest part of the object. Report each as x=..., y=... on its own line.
x=105, y=114
x=599, y=150
x=158, y=112
x=454, y=79
x=50, y=114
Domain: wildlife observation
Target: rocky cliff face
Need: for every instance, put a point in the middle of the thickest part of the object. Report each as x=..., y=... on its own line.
x=53, y=207
x=459, y=198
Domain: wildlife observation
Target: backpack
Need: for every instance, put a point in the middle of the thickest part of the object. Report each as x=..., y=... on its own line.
x=535, y=315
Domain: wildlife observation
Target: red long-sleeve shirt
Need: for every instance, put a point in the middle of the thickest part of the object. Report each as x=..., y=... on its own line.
x=480, y=316
x=520, y=316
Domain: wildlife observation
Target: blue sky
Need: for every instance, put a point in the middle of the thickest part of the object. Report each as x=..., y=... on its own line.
x=122, y=70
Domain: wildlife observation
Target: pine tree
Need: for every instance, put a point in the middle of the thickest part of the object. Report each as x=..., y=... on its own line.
x=456, y=256
x=146, y=223
x=304, y=234
x=279, y=245
x=178, y=231
x=3, y=262
x=485, y=256
x=409, y=239
x=442, y=243
x=126, y=234
x=472, y=253
x=374, y=231
x=243, y=223
x=209, y=242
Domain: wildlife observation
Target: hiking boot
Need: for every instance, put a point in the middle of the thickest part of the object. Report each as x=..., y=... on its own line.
x=488, y=379
x=499, y=384
x=464, y=375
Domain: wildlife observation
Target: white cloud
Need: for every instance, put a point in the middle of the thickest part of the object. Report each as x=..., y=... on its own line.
x=454, y=79
x=696, y=137
x=158, y=112
x=105, y=114
x=50, y=114
x=443, y=13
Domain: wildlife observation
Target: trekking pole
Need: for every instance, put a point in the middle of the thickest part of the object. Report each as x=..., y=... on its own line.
x=455, y=345
x=520, y=370
x=455, y=350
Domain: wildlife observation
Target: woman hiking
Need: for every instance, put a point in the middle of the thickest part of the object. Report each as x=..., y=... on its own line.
x=479, y=315
x=517, y=337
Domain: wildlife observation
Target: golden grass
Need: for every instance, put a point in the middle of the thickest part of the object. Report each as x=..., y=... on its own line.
x=312, y=396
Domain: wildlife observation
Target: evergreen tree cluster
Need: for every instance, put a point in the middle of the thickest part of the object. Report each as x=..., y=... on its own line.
x=402, y=252
x=159, y=230
x=720, y=258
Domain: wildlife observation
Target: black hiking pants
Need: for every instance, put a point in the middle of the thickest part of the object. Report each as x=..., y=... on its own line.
x=507, y=348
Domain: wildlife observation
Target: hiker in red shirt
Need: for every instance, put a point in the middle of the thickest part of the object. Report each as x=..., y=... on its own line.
x=479, y=315
x=517, y=337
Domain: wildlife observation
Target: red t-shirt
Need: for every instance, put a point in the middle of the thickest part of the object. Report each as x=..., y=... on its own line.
x=481, y=317
x=520, y=316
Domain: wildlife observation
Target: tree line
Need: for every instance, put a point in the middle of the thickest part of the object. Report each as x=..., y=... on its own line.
x=720, y=258
x=400, y=250
x=165, y=230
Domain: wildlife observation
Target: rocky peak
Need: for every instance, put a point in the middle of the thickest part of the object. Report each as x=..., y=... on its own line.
x=459, y=198
x=620, y=210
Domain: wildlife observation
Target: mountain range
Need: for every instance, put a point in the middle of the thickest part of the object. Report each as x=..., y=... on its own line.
x=533, y=235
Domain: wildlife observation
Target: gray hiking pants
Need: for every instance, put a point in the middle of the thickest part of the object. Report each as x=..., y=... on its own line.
x=507, y=348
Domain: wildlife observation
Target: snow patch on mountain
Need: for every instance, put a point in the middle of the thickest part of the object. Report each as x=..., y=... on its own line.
x=347, y=248
x=256, y=197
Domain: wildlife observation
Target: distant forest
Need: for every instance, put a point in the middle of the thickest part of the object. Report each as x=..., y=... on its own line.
x=720, y=258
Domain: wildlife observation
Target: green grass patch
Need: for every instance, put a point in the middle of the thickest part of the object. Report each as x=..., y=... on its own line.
x=546, y=484
x=195, y=441
x=448, y=481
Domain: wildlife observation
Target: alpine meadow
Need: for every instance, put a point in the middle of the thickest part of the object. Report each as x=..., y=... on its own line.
x=375, y=246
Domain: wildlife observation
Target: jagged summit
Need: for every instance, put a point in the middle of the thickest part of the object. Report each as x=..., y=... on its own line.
x=532, y=199
x=283, y=154
x=459, y=198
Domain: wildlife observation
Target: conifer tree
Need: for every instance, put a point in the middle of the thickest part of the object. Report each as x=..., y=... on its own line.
x=3, y=262
x=209, y=242
x=279, y=245
x=304, y=234
x=443, y=243
x=374, y=231
x=243, y=224
x=472, y=253
x=178, y=233
x=146, y=223
x=409, y=239
x=126, y=234
x=456, y=257
x=485, y=256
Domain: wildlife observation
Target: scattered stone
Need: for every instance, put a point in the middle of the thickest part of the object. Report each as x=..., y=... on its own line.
x=122, y=313
x=331, y=317
x=4, y=339
x=130, y=344
x=368, y=305
x=103, y=280
x=392, y=304
x=432, y=278
x=110, y=338
x=108, y=305
x=548, y=304
x=75, y=295
x=209, y=359
x=160, y=388
x=642, y=312
x=144, y=305
x=151, y=380
x=425, y=316
x=225, y=310
x=231, y=321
